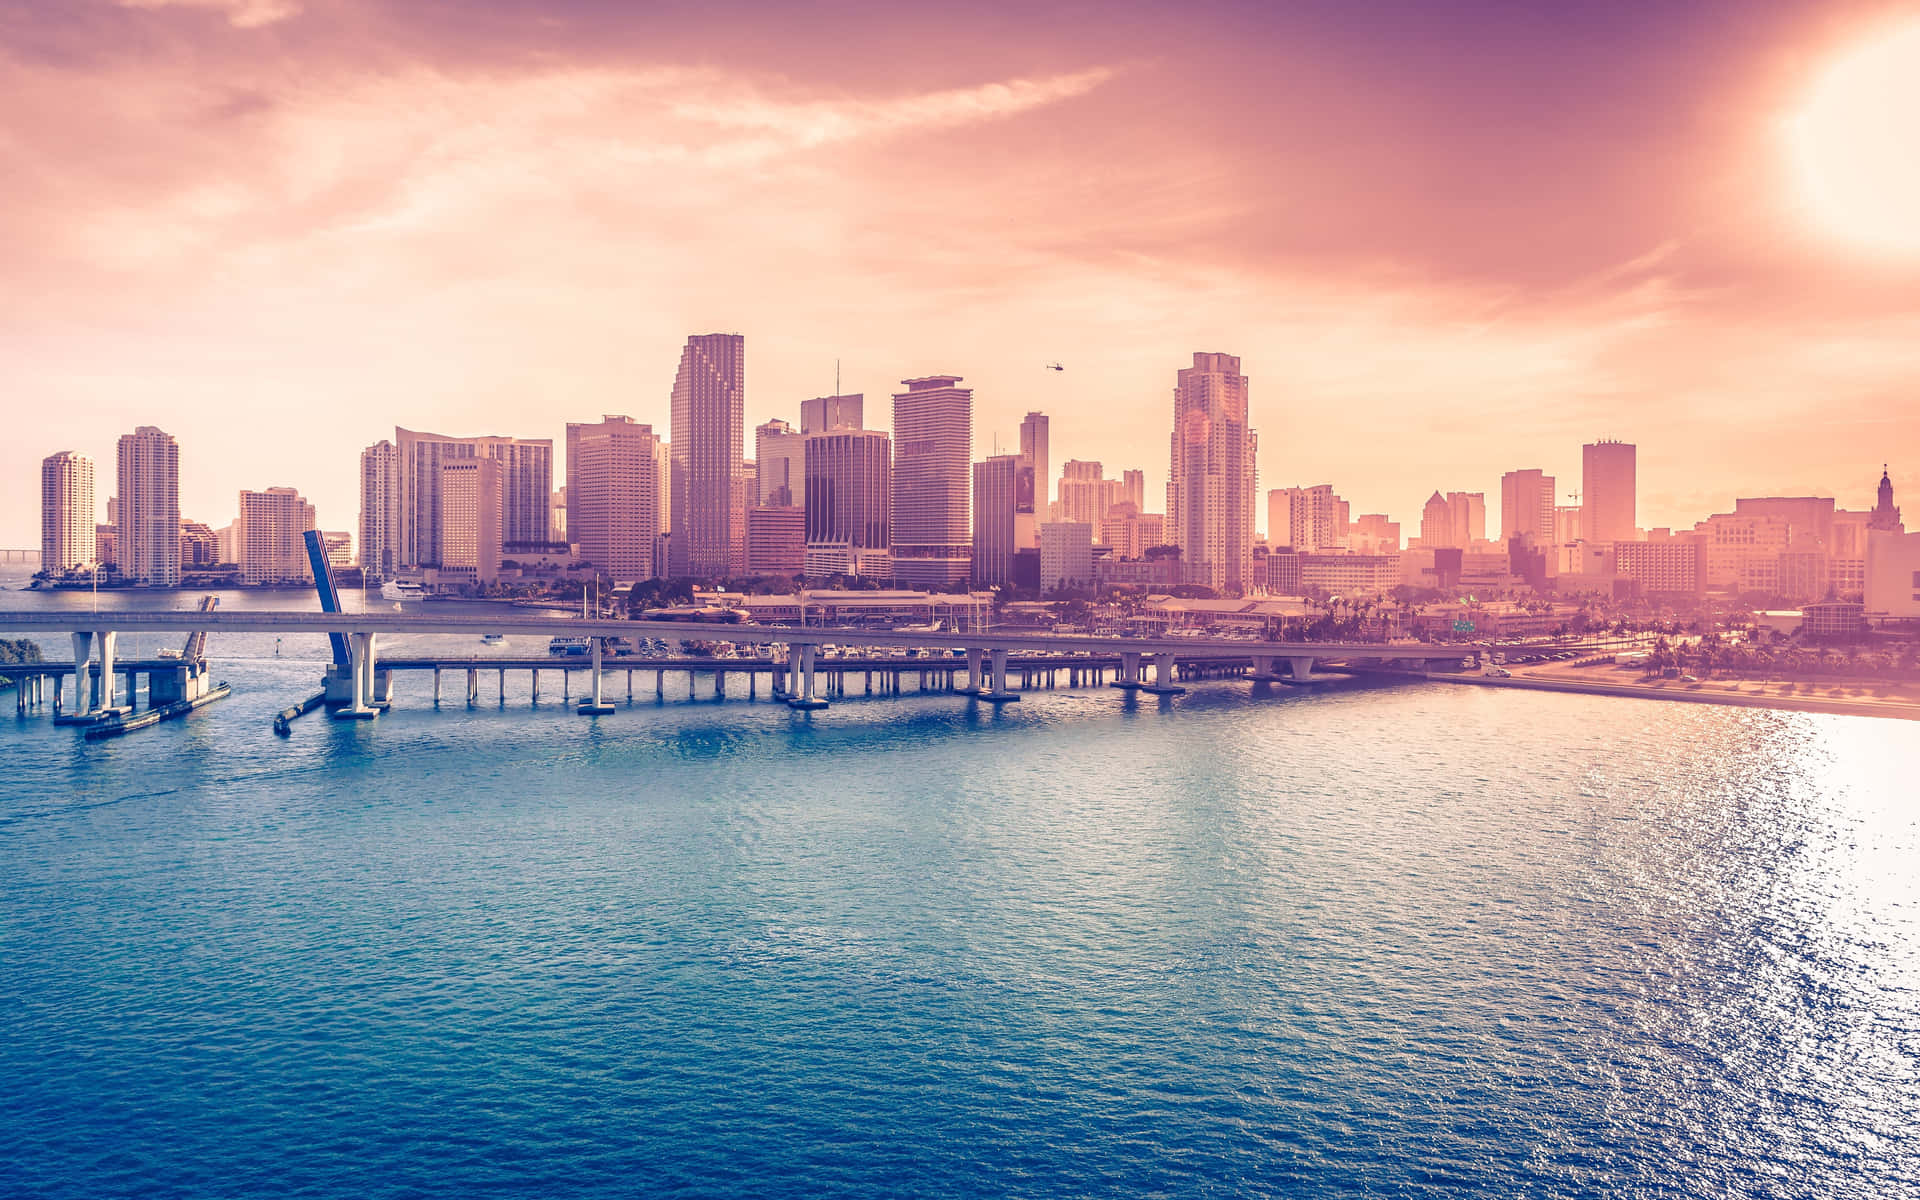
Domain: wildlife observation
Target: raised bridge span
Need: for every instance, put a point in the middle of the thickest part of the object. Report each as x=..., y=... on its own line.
x=1145, y=663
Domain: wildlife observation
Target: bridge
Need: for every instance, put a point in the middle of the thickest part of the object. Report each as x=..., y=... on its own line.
x=1146, y=664
x=20, y=556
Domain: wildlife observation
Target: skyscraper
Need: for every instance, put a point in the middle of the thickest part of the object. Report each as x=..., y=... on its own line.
x=147, y=543
x=269, y=536
x=380, y=510
x=996, y=493
x=1307, y=519
x=613, y=499
x=1210, y=486
x=709, y=431
x=472, y=519
x=827, y=414
x=780, y=458
x=1436, y=523
x=1608, y=491
x=1133, y=489
x=525, y=476
x=849, y=498
x=67, y=537
x=1467, y=514
x=932, y=455
x=1033, y=448
x=1086, y=495
x=1527, y=506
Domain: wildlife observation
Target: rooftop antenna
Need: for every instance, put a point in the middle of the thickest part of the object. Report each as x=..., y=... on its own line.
x=836, y=377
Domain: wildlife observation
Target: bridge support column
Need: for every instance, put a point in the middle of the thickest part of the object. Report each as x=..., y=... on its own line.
x=1163, y=684
x=103, y=697
x=593, y=704
x=997, y=687
x=1263, y=669
x=975, y=684
x=806, y=700
x=1302, y=668
x=360, y=666
x=436, y=687
x=1129, y=674
x=473, y=684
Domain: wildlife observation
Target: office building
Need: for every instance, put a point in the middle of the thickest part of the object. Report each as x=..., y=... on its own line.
x=1466, y=518
x=269, y=536
x=380, y=510
x=1066, y=556
x=1212, y=475
x=67, y=537
x=1034, y=448
x=1085, y=493
x=1608, y=492
x=849, y=496
x=780, y=465
x=996, y=494
x=932, y=464
x=147, y=541
x=613, y=499
x=831, y=414
x=776, y=540
x=1893, y=575
x=709, y=427
x=1527, y=507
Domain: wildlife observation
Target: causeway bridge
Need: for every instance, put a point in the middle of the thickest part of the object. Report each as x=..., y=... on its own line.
x=988, y=660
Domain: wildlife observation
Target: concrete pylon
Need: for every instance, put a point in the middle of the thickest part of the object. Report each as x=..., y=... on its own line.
x=592, y=704
x=1129, y=672
x=1163, y=684
x=806, y=699
x=1302, y=668
x=1263, y=669
x=360, y=668
x=103, y=697
x=996, y=690
x=82, y=661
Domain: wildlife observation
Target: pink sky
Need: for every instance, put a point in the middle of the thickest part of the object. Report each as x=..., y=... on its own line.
x=1447, y=240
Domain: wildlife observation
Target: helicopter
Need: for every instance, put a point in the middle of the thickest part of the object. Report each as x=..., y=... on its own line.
x=1054, y=366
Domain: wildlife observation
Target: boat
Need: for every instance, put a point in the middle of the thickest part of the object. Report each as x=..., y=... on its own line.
x=493, y=639
x=166, y=652
x=402, y=589
x=570, y=645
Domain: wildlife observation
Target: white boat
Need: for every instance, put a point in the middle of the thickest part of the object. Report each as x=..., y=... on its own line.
x=493, y=639
x=402, y=589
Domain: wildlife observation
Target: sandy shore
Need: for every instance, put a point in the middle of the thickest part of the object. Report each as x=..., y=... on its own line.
x=1804, y=696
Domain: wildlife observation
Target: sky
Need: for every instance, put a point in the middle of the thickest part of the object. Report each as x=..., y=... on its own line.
x=1448, y=238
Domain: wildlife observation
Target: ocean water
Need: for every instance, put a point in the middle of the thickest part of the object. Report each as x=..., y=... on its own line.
x=1356, y=941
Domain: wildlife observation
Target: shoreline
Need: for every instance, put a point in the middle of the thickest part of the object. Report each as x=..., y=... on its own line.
x=1711, y=692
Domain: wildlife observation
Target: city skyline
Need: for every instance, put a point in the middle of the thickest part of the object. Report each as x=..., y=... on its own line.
x=232, y=258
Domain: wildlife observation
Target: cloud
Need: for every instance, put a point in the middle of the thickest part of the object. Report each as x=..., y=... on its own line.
x=241, y=14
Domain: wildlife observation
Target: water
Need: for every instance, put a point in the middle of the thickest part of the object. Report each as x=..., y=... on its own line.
x=1379, y=942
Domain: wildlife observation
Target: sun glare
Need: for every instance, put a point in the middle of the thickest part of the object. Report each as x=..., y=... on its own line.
x=1856, y=144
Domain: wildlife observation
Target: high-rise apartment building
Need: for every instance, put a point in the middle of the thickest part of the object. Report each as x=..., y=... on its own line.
x=1086, y=494
x=269, y=536
x=147, y=541
x=849, y=495
x=380, y=510
x=1133, y=489
x=932, y=459
x=472, y=519
x=199, y=547
x=1212, y=477
x=1608, y=491
x=613, y=498
x=780, y=463
x=996, y=494
x=1308, y=519
x=523, y=467
x=776, y=540
x=1527, y=507
x=709, y=429
x=829, y=414
x=67, y=536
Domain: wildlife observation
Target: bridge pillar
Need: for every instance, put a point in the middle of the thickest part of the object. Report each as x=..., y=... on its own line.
x=82, y=660
x=593, y=704
x=473, y=684
x=1129, y=676
x=1302, y=668
x=1263, y=669
x=360, y=666
x=974, y=672
x=996, y=689
x=806, y=700
x=103, y=697
x=1163, y=684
